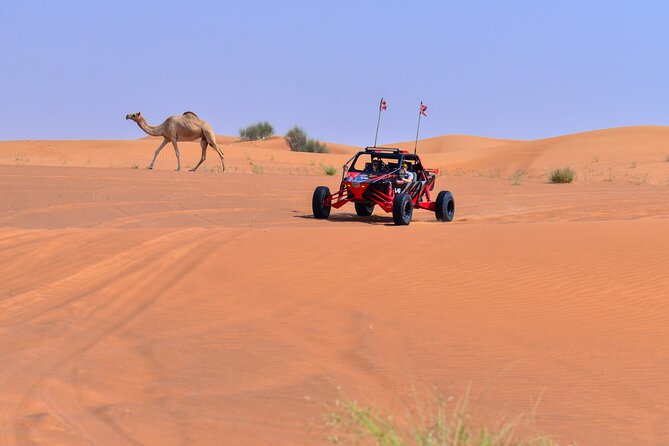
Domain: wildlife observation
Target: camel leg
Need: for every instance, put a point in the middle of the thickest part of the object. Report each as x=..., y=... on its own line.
x=176, y=151
x=203, y=144
x=211, y=139
x=219, y=154
x=162, y=144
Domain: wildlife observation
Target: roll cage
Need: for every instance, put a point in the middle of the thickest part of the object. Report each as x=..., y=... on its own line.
x=359, y=185
x=391, y=157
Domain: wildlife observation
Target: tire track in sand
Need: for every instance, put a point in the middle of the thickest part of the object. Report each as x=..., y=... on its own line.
x=24, y=306
x=99, y=315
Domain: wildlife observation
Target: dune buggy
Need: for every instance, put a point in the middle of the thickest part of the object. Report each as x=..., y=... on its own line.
x=393, y=179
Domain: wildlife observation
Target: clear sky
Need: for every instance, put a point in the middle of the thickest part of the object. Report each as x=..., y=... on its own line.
x=512, y=69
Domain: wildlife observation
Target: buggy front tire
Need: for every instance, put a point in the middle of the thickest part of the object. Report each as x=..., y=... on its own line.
x=318, y=205
x=363, y=209
x=444, y=206
x=402, y=209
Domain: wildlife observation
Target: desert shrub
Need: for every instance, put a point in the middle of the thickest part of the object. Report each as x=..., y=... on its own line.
x=297, y=140
x=329, y=170
x=315, y=146
x=565, y=175
x=254, y=132
x=517, y=177
x=352, y=424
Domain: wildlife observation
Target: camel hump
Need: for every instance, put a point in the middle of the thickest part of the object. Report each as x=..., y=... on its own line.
x=190, y=113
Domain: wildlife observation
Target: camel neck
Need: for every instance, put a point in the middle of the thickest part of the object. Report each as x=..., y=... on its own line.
x=153, y=131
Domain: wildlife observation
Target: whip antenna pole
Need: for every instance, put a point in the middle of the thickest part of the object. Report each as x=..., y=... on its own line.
x=382, y=107
x=421, y=112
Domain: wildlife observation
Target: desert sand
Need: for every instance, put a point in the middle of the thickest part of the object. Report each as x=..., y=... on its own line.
x=161, y=307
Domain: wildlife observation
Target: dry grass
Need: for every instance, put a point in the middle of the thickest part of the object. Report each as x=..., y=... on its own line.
x=640, y=179
x=517, y=177
x=256, y=169
x=565, y=175
x=435, y=425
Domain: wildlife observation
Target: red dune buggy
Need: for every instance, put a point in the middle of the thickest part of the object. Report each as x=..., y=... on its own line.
x=393, y=179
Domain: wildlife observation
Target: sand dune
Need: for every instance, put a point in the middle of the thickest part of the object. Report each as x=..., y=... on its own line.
x=633, y=155
x=158, y=307
x=268, y=156
x=272, y=143
x=453, y=143
x=628, y=154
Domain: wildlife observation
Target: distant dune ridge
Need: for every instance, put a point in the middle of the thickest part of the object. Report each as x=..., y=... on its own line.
x=634, y=155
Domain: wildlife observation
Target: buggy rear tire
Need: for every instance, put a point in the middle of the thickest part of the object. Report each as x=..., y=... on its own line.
x=402, y=209
x=363, y=209
x=444, y=206
x=321, y=210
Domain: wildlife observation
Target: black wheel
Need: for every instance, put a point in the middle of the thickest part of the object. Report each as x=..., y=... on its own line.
x=402, y=209
x=321, y=210
x=364, y=210
x=444, y=206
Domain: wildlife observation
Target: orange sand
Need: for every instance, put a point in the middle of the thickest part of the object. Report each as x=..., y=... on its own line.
x=158, y=307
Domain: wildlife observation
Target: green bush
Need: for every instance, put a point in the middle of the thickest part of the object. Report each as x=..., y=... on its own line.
x=259, y=130
x=315, y=146
x=565, y=175
x=297, y=140
x=329, y=170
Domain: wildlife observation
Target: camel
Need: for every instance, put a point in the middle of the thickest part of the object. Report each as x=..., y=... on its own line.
x=187, y=127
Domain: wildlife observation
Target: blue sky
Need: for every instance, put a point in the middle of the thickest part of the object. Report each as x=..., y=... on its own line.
x=513, y=69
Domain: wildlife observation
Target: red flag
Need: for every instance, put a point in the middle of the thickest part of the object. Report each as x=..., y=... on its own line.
x=423, y=109
x=382, y=105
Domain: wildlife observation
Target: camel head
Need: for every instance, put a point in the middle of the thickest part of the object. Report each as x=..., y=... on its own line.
x=134, y=116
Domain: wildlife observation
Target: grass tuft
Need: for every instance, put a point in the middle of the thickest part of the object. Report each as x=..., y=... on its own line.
x=565, y=175
x=639, y=179
x=258, y=170
x=435, y=425
x=517, y=177
x=329, y=170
